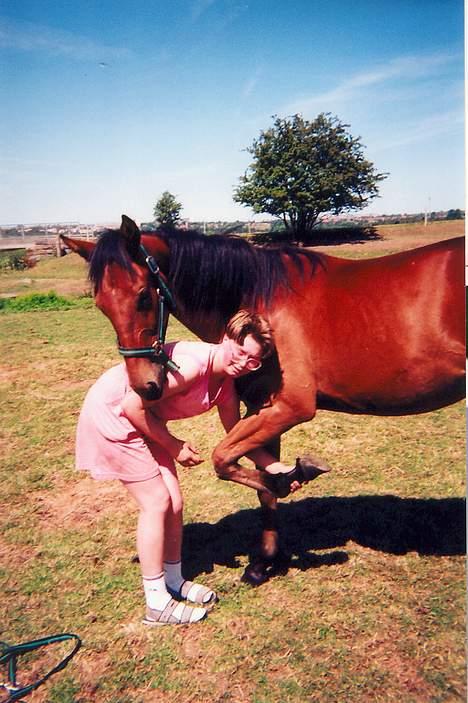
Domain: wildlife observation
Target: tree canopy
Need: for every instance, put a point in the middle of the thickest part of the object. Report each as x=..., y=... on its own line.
x=455, y=214
x=302, y=170
x=167, y=210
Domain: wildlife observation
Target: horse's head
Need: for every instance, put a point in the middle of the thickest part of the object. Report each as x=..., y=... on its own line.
x=126, y=291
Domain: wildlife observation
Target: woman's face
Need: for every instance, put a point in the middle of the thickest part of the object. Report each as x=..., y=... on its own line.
x=240, y=359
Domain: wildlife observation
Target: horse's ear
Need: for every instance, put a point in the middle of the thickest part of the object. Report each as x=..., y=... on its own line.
x=79, y=246
x=131, y=234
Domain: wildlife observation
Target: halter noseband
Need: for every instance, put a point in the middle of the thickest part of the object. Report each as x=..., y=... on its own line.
x=165, y=298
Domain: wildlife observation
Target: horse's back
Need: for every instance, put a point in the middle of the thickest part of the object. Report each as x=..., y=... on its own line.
x=434, y=272
x=453, y=248
x=386, y=335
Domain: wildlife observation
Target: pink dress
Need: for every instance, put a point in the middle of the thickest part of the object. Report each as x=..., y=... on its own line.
x=110, y=447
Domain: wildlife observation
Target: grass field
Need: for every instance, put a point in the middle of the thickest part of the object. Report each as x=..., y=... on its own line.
x=370, y=608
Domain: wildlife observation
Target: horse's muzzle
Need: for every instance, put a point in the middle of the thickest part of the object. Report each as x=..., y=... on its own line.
x=151, y=392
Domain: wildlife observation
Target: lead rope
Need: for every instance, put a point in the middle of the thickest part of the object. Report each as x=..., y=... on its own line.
x=10, y=653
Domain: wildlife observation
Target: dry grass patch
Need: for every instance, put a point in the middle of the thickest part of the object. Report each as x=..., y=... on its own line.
x=80, y=504
x=393, y=238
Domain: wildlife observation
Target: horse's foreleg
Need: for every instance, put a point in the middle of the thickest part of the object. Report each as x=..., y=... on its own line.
x=261, y=429
x=269, y=512
x=252, y=432
x=256, y=572
x=269, y=557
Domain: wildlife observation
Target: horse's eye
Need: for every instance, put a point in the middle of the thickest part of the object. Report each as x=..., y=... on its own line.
x=145, y=301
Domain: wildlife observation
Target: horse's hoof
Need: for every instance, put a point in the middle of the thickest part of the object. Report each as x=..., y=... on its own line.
x=280, y=564
x=306, y=469
x=255, y=574
x=260, y=571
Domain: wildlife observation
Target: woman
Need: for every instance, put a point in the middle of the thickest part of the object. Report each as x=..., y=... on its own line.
x=120, y=436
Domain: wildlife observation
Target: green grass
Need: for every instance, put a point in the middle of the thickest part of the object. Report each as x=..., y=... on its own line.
x=64, y=275
x=371, y=608
x=42, y=301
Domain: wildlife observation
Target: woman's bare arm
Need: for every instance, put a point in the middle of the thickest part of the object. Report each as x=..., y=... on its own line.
x=144, y=415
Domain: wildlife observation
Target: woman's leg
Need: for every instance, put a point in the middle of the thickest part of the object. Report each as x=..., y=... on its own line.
x=154, y=502
x=193, y=592
x=175, y=512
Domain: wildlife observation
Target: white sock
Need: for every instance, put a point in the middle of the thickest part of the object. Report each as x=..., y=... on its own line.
x=156, y=593
x=173, y=574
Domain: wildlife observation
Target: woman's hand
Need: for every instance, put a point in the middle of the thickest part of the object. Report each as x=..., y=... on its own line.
x=188, y=456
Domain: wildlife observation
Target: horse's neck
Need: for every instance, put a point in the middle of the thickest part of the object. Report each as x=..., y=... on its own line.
x=207, y=327
x=158, y=248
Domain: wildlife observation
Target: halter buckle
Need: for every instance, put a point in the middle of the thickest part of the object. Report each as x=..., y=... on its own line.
x=160, y=357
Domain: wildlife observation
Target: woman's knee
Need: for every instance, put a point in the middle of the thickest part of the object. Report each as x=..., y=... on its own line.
x=172, y=484
x=157, y=502
x=151, y=496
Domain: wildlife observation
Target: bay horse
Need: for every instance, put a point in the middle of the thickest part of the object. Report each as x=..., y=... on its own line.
x=382, y=336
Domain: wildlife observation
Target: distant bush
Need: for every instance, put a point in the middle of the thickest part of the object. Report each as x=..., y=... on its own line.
x=42, y=301
x=455, y=214
x=15, y=260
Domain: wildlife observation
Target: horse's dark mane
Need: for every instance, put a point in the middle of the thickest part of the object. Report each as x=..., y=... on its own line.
x=109, y=249
x=212, y=274
x=220, y=273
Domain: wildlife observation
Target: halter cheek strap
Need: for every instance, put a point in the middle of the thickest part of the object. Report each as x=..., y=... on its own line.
x=165, y=299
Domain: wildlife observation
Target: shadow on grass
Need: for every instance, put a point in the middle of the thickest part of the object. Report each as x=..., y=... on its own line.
x=323, y=236
x=389, y=524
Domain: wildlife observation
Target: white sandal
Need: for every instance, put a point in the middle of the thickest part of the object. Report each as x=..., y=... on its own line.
x=194, y=593
x=174, y=613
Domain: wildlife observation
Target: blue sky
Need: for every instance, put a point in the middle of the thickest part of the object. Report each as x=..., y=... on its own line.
x=106, y=104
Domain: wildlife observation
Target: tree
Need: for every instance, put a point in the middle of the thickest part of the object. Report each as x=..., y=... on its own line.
x=455, y=214
x=277, y=226
x=304, y=169
x=167, y=211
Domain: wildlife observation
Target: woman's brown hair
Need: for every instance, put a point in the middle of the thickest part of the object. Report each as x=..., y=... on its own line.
x=244, y=323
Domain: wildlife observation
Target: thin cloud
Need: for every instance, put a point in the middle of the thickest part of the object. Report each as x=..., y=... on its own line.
x=424, y=129
x=199, y=7
x=404, y=69
x=227, y=12
x=252, y=83
x=27, y=162
x=33, y=37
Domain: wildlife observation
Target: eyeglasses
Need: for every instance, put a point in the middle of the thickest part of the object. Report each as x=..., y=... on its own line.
x=250, y=362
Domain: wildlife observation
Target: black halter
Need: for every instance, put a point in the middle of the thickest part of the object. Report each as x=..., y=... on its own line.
x=165, y=298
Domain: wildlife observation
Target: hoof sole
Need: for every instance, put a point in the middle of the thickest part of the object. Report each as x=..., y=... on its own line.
x=306, y=469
